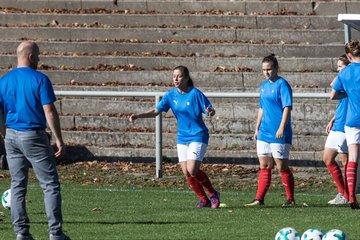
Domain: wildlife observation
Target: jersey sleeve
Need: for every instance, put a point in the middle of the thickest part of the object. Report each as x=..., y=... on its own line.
x=338, y=85
x=286, y=95
x=47, y=94
x=164, y=104
x=204, y=101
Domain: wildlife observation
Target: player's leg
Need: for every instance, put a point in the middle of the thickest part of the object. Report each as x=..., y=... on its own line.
x=336, y=174
x=351, y=173
x=353, y=141
x=19, y=168
x=281, y=153
x=190, y=169
x=344, y=158
x=197, y=151
x=336, y=144
x=287, y=178
x=37, y=149
x=264, y=176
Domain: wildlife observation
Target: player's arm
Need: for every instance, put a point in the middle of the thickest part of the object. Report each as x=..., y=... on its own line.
x=210, y=111
x=2, y=124
x=53, y=121
x=335, y=95
x=258, y=122
x=285, y=116
x=330, y=125
x=149, y=114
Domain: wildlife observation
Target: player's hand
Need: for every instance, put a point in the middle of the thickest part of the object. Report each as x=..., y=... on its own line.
x=59, y=148
x=329, y=127
x=132, y=117
x=256, y=135
x=279, y=133
x=210, y=111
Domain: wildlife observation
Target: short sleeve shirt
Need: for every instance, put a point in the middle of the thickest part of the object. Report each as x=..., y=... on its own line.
x=23, y=92
x=274, y=97
x=188, y=109
x=349, y=81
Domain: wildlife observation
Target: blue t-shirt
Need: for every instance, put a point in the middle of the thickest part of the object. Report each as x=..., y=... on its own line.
x=188, y=109
x=349, y=81
x=23, y=92
x=340, y=116
x=274, y=97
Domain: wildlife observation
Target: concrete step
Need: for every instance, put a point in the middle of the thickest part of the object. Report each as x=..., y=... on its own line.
x=153, y=80
x=209, y=49
x=246, y=157
x=193, y=63
x=176, y=34
x=308, y=110
x=160, y=81
x=173, y=20
x=244, y=7
x=147, y=140
x=218, y=125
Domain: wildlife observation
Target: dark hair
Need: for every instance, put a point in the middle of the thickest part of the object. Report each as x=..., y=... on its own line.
x=353, y=47
x=186, y=73
x=344, y=59
x=271, y=59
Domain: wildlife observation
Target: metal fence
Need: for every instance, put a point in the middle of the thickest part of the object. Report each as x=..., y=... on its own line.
x=158, y=119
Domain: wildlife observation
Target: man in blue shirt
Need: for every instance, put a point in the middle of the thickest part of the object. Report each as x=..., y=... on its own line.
x=27, y=103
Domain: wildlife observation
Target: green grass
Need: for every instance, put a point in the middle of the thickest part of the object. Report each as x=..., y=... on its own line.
x=98, y=212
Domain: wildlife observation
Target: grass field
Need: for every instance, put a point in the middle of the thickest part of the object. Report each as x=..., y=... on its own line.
x=96, y=212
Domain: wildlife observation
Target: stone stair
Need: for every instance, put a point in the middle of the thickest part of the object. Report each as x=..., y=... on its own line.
x=133, y=45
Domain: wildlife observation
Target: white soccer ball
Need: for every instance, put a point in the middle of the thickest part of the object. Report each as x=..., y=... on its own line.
x=334, y=234
x=312, y=234
x=287, y=233
x=5, y=199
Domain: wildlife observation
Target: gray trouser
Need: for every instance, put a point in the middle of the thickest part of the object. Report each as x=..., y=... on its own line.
x=32, y=147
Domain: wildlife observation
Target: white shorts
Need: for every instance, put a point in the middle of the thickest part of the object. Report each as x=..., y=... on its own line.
x=337, y=140
x=192, y=151
x=352, y=135
x=275, y=150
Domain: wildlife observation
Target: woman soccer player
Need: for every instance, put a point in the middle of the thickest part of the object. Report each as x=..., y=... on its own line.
x=348, y=84
x=188, y=104
x=336, y=144
x=273, y=133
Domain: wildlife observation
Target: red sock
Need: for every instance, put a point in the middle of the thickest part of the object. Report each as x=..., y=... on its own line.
x=264, y=181
x=336, y=174
x=288, y=182
x=346, y=190
x=197, y=188
x=203, y=178
x=351, y=180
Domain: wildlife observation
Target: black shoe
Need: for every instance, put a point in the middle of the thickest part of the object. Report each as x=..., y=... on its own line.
x=289, y=203
x=354, y=205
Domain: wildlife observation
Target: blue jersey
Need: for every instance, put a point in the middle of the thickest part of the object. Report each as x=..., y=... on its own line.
x=274, y=97
x=188, y=109
x=340, y=116
x=349, y=81
x=23, y=92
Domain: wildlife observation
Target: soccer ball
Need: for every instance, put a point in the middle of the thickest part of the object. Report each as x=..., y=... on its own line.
x=312, y=234
x=5, y=199
x=287, y=233
x=334, y=234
